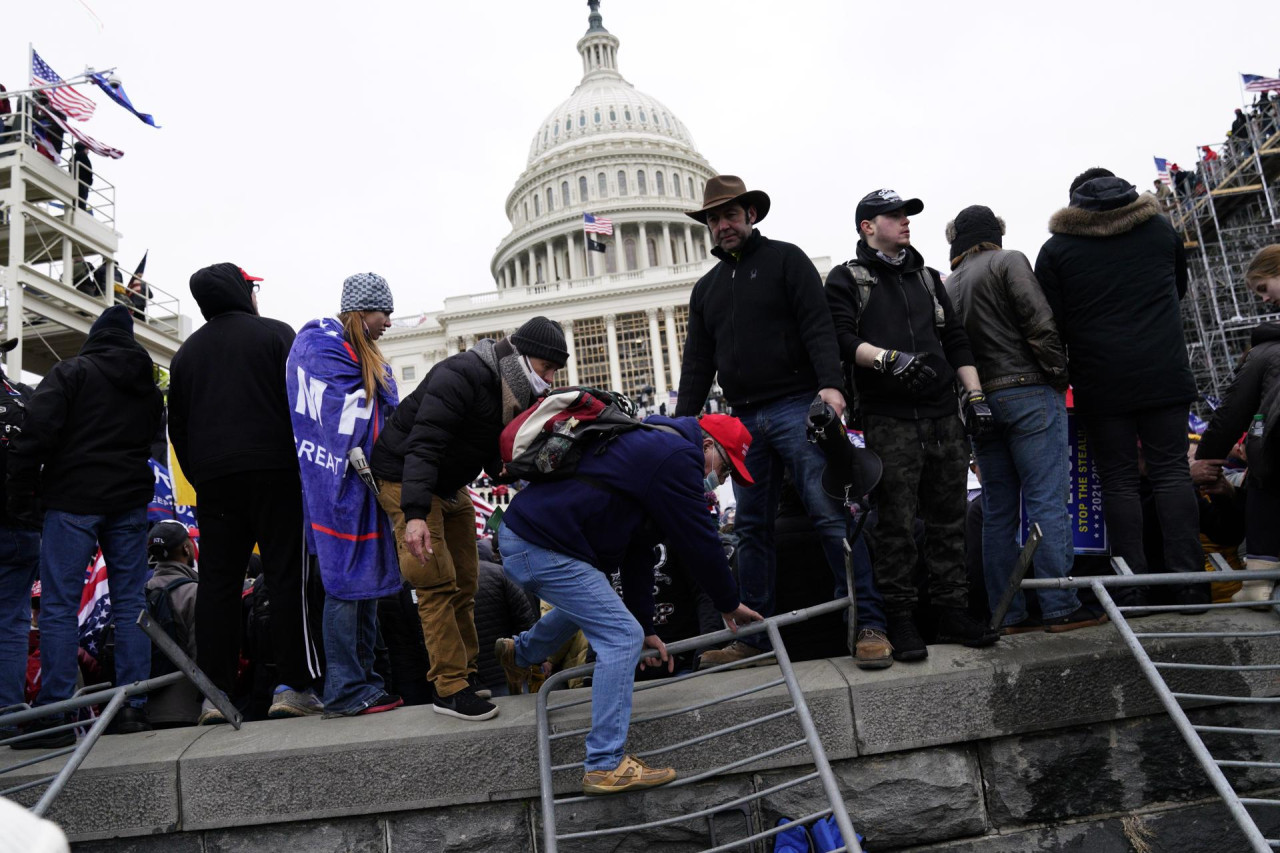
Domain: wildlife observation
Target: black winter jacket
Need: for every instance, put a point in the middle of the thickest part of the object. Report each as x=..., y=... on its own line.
x=760, y=322
x=1008, y=320
x=13, y=413
x=1114, y=277
x=90, y=425
x=228, y=408
x=900, y=315
x=445, y=433
x=502, y=610
x=1254, y=390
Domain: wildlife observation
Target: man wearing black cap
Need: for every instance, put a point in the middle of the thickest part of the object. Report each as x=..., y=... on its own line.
x=906, y=348
x=231, y=431
x=82, y=457
x=438, y=440
x=758, y=322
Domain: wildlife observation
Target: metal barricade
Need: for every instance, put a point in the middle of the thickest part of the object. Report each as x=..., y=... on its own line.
x=797, y=709
x=1188, y=694
x=114, y=697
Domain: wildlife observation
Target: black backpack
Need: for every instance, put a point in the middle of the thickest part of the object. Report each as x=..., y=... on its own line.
x=160, y=606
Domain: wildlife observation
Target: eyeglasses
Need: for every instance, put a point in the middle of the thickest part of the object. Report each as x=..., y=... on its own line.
x=254, y=287
x=728, y=467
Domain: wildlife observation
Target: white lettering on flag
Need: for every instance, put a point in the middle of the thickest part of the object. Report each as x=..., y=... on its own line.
x=310, y=397
x=353, y=410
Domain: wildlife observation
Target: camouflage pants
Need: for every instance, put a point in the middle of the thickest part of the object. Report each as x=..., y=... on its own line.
x=925, y=469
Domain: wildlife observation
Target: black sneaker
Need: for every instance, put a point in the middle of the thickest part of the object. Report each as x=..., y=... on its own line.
x=1192, y=598
x=129, y=721
x=474, y=682
x=465, y=705
x=905, y=638
x=955, y=625
x=52, y=740
x=1083, y=617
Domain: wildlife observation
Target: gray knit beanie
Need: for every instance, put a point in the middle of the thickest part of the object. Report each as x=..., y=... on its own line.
x=366, y=291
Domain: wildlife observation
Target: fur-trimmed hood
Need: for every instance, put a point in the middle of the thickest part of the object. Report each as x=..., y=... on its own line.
x=1104, y=223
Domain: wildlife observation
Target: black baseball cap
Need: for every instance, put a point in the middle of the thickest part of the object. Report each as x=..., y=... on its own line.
x=166, y=536
x=876, y=203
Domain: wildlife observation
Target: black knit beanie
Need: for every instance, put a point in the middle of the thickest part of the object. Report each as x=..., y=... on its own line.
x=116, y=318
x=973, y=225
x=542, y=338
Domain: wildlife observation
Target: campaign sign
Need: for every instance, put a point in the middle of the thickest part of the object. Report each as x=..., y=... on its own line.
x=1088, y=527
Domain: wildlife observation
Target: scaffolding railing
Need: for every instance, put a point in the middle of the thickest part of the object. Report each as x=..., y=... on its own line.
x=1141, y=643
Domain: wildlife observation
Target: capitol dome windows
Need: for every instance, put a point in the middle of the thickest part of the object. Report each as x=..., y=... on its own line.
x=582, y=119
x=629, y=249
x=582, y=188
x=568, y=124
x=597, y=115
x=657, y=182
x=691, y=194
x=675, y=183
x=627, y=112
x=643, y=120
x=622, y=182
x=550, y=197
x=640, y=183
x=604, y=185
x=555, y=131
x=564, y=193
x=613, y=114
x=537, y=207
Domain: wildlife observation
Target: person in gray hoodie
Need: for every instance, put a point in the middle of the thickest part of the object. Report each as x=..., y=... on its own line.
x=173, y=560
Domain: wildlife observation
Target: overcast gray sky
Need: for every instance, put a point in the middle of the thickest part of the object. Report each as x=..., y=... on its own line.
x=308, y=141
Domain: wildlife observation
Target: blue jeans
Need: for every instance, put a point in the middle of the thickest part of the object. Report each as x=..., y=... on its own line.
x=19, y=564
x=65, y=552
x=778, y=441
x=350, y=631
x=1027, y=456
x=583, y=598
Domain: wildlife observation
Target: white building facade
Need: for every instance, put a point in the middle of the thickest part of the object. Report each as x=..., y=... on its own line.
x=614, y=152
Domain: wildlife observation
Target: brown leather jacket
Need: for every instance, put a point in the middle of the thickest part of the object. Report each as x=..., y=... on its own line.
x=1010, y=324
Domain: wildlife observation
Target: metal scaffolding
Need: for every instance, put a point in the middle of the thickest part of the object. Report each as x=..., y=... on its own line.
x=1226, y=210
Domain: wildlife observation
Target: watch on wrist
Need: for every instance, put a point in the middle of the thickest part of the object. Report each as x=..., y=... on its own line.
x=878, y=361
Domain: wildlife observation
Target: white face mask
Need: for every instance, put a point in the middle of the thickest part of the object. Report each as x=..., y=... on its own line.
x=539, y=385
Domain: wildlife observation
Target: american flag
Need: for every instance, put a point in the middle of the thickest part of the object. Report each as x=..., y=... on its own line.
x=1258, y=83
x=95, y=605
x=484, y=509
x=596, y=224
x=65, y=98
x=92, y=144
x=1162, y=171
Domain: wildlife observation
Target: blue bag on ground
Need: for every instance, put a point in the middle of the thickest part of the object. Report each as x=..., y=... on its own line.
x=793, y=839
x=826, y=835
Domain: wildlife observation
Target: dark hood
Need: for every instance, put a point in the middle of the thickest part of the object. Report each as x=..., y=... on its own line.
x=1104, y=222
x=221, y=289
x=126, y=364
x=913, y=262
x=1264, y=333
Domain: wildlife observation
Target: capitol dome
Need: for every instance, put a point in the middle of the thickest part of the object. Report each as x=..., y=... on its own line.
x=609, y=151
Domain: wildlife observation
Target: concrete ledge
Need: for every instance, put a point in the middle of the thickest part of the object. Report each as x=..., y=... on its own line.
x=216, y=782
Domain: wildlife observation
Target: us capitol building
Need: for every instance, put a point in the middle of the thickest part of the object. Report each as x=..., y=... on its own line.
x=617, y=153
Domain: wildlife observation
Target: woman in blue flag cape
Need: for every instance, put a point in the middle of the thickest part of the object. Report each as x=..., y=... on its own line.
x=341, y=391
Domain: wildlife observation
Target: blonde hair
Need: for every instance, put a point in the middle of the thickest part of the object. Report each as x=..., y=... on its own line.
x=373, y=364
x=1265, y=264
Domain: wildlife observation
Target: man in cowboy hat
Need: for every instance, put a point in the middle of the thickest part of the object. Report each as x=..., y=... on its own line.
x=759, y=321
x=906, y=347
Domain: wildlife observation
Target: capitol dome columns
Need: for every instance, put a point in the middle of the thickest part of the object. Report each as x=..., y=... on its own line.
x=611, y=337
x=655, y=347
x=673, y=353
x=567, y=326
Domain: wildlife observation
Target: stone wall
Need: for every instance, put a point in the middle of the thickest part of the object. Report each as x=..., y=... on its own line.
x=1039, y=743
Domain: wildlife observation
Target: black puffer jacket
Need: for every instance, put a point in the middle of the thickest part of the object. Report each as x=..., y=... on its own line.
x=899, y=314
x=445, y=433
x=228, y=408
x=1114, y=272
x=760, y=322
x=1008, y=320
x=1254, y=390
x=502, y=610
x=90, y=425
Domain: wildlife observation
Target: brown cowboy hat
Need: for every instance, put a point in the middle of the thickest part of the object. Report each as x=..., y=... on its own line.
x=723, y=189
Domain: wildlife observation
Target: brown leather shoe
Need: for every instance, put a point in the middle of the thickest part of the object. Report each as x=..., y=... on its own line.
x=735, y=652
x=630, y=774
x=504, y=649
x=873, y=650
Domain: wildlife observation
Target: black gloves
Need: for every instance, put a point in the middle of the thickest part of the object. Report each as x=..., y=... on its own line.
x=979, y=420
x=910, y=369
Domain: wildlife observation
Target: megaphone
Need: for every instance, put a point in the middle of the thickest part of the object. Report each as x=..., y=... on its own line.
x=851, y=472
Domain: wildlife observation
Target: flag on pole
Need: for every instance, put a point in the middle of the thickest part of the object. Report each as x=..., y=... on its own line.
x=115, y=91
x=65, y=98
x=90, y=143
x=596, y=224
x=1162, y=171
x=595, y=246
x=1258, y=83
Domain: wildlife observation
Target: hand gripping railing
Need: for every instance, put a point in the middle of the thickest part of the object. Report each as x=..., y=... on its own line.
x=115, y=698
x=798, y=709
x=1172, y=701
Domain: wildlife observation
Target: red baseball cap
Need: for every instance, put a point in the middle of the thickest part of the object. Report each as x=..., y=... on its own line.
x=734, y=439
x=248, y=277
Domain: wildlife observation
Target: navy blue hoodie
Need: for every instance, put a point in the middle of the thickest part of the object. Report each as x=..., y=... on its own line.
x=657, y=475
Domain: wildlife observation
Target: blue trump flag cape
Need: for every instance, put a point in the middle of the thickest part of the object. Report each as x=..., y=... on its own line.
x=346, y=529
